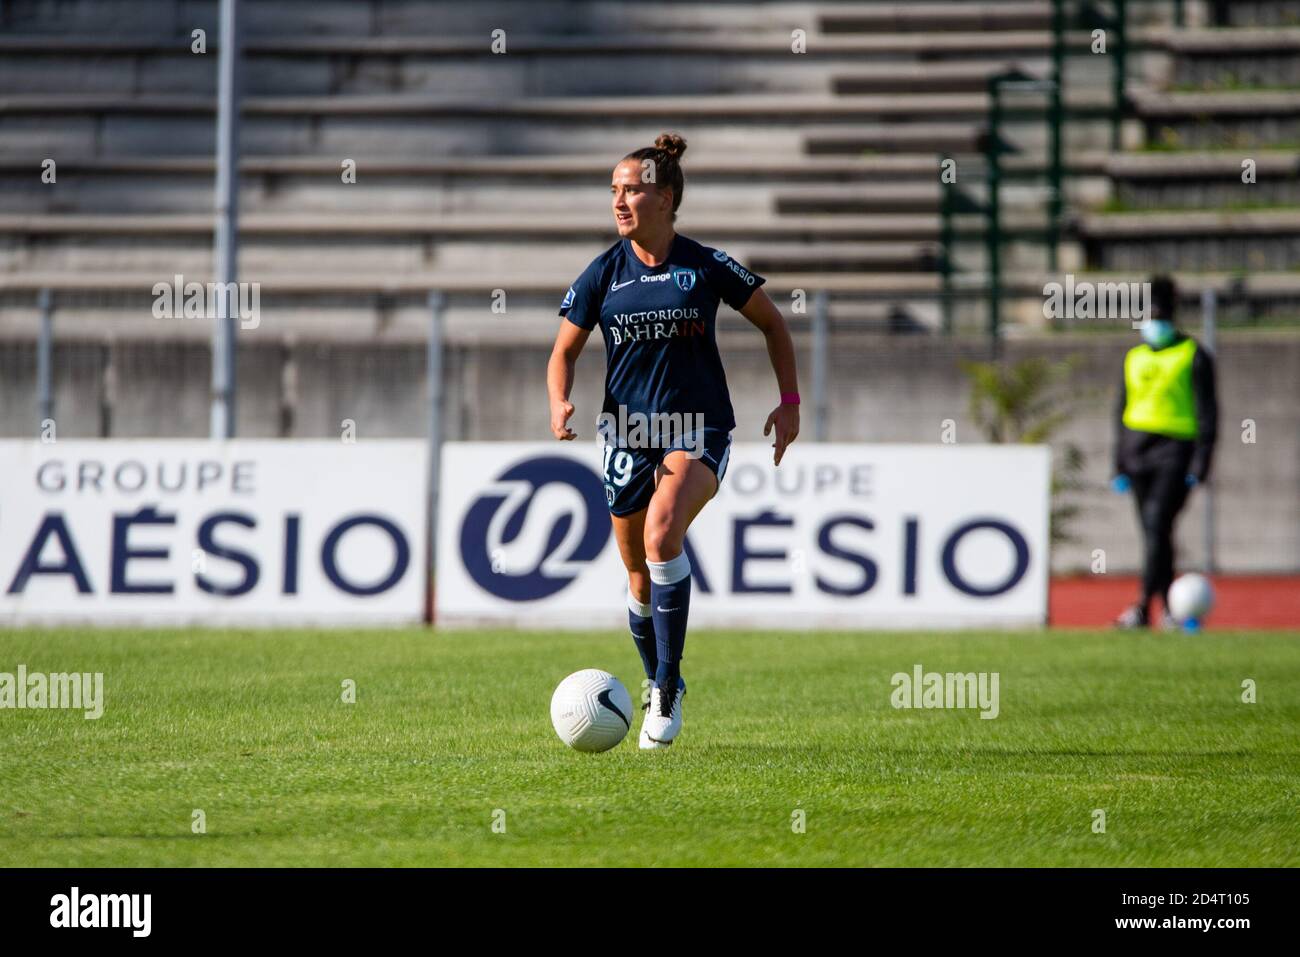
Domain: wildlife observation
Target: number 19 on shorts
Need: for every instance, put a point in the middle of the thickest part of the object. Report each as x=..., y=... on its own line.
x=621, y=461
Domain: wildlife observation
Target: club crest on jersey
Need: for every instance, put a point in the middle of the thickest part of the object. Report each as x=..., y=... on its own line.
x=685, y=279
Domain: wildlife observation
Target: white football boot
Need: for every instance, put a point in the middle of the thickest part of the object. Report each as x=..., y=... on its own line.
x=658, y=730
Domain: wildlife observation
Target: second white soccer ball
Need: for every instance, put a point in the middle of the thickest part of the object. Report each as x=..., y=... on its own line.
x=1191, y=597
x=591, y=710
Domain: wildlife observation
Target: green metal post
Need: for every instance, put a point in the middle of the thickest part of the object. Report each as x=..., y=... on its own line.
x=945, y=243
x=993, y=233
x=1055, y=118
x=1119, y=75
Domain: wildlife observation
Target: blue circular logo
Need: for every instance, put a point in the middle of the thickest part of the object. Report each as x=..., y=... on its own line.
x=531, y=531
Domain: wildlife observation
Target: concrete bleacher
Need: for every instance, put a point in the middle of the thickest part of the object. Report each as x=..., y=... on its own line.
x=1227, y=99
x=784, y=124
x=535, y=66
x=1192, y=180
x=365, y=18
x=1254, y=119
x=1252, y=57
x=490, y=167
x=100, y=88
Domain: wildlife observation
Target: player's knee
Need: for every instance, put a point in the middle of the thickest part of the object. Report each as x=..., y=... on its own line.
x=662, y=542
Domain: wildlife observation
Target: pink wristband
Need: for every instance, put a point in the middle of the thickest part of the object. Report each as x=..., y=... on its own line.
x=789, y=398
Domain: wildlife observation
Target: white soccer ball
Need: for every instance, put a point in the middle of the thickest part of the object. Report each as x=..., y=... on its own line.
x=591, y=710
x=1191, y=597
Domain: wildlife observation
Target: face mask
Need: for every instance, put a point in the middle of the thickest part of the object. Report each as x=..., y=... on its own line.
x=1157, y=333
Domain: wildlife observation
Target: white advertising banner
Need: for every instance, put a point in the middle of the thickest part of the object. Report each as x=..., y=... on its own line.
x=840, y=535
x=213, y=533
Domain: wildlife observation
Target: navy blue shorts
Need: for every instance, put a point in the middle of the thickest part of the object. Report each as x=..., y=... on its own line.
x=629, y=473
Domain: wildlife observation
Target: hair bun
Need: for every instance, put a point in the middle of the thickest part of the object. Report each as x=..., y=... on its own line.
x=671, y=143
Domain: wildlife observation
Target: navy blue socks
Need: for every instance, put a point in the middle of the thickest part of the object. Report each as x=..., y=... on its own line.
x=642, y=624
x=670, y=594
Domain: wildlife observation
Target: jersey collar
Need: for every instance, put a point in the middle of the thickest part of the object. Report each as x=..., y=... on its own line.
x=636, y=260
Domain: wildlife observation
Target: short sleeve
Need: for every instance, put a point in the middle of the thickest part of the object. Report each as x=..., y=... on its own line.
x=733, y=282
x=581, y=305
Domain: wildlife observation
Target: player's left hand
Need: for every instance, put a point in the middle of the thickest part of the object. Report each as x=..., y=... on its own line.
x=785, y=419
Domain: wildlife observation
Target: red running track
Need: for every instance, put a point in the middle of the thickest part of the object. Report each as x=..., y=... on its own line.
x=1253, y=601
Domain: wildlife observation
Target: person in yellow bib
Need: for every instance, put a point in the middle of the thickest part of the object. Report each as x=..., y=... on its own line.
x=1165, y=425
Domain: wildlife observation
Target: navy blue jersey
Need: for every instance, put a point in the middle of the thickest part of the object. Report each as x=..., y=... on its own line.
x=659, y=327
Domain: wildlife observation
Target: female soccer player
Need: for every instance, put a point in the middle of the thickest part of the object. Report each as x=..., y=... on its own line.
x=655, y=296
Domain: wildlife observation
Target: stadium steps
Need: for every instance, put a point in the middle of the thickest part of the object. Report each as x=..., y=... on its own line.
x=939, y=47
x=454, y=184
x=109, y=125
x=1255, y=240
x=327, y=18
x=360, y=18
x=943, y=138
x=948, y=139
x=413, y=65
x=1203, y=180
x=928, y=77
x=742, y=168
x=485, y=184
x=934, y=17
x=378, y=195
x=922, y=197
x=761, y=107
x=496, y=227
x=1162, y=213
x=797, y=125
x=1258, y=13
x=1233, y=58
x=403, y=66
x=1157, y=105
x=841, y=257
x=930, y=46
x=333, y=19
x=944, y=17
x=1022, y=211
x=848, y=315
x=1244, y=119
x=165, y=244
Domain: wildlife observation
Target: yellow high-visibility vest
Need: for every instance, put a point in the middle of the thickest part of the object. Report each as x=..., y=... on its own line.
x=1158, y=390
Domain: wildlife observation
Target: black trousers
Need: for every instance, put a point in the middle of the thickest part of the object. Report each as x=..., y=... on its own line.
x=1160, y=493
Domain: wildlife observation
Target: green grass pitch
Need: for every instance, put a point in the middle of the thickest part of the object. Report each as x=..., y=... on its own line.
x=451, y=728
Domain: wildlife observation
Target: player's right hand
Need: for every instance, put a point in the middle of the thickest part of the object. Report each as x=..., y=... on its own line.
x=560, y=413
